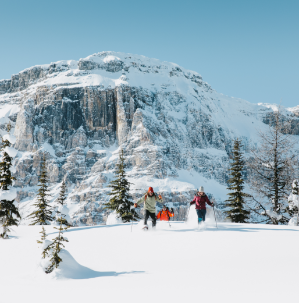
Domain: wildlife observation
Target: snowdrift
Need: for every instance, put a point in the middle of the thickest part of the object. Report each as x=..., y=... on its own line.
x=69, y=268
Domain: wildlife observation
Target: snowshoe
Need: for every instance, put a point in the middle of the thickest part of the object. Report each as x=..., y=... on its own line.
x=201, y=226
x=145, y=228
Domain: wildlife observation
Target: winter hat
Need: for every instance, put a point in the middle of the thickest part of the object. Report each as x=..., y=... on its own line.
x=201, y=189
x=150, y=190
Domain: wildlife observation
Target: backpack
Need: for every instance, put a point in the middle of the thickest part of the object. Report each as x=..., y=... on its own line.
x=146, y=196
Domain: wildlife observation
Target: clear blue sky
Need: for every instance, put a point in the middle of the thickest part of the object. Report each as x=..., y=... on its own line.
x=245, y=49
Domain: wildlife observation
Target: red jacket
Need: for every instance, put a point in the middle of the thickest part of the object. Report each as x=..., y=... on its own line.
x=200, y=201
x=164, y=215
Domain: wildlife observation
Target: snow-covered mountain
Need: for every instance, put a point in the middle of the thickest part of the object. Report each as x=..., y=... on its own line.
x=175, y=130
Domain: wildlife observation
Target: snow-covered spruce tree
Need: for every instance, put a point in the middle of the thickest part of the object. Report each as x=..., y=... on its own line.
x=8, y=127
x=120, y=200
x=55, y=247
x=43, y=213
x=235, y=203
x=9, y=213
x=62, y=196
x=293, y=208
x=271, y=171
x=61, y=200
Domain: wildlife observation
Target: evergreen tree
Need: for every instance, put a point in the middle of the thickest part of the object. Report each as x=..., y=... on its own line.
x=5, y=165
x=55, y=247
x=43, y=213
x=61, y=200
x=293, y=207
x=43, y=238
x=235, y=203
x=295, y=188
x=9, y=213
x=62, y=196
x=120, y=200
x=8, y=127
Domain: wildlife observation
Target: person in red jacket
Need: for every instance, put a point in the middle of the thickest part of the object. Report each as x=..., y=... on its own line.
x=200, y=201
x=165, y=214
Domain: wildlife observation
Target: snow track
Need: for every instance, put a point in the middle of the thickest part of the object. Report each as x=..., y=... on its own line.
x=236, y=263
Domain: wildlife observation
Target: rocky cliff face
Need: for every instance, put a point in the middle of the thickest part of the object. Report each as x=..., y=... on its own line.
x=175, y=130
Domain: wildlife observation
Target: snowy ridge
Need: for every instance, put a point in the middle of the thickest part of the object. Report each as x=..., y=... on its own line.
x=175, y=130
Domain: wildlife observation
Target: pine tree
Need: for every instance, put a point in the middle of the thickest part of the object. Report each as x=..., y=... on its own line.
x=61, y=199
x=55, y=247
x=120, y=200
x=43, y=238
x=9, y=213
x=5, y=165
x=295, y=188
x=8, y=127
x=43, y=213
x=62, y=195
x=235, y=203
x=293, y=207
x=272, y=168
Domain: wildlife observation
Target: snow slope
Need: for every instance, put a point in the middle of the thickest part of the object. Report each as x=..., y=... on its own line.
x=234, y=263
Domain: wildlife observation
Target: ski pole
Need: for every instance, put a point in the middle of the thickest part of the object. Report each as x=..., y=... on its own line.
x=132, y=220
x=187, y=213
x=215, y=216
x=169, y=219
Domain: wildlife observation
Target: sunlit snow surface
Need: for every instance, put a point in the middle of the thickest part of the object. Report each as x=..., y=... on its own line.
x=172, y=264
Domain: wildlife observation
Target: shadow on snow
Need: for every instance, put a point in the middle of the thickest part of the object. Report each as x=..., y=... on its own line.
x=71, y=269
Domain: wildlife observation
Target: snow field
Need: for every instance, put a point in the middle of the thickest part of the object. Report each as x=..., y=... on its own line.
x=237, y=262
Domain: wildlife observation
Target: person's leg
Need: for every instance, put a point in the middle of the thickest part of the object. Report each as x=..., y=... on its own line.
x=204, y=211
x=146, y=216
x=199, y=215
x=153, y=216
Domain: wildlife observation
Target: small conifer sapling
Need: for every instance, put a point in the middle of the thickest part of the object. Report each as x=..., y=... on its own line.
x=55, y=247
x=62, y=194
x=43, y=238
x=61, y=201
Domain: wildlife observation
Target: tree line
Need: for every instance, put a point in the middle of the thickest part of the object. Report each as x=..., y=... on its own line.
x=43, y=214
x=271, y=170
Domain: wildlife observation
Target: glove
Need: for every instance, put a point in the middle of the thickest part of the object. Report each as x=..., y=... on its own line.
x=135, y=205
x=160, y=197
